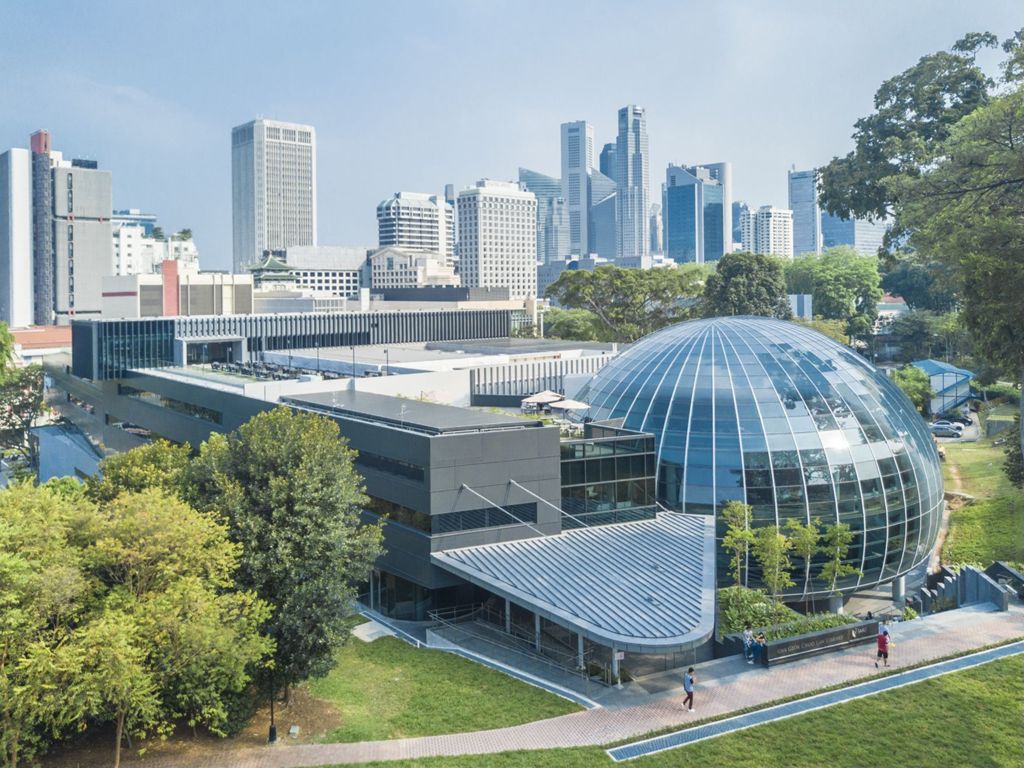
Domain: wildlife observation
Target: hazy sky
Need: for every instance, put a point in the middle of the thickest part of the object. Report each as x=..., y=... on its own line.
x=411, y=95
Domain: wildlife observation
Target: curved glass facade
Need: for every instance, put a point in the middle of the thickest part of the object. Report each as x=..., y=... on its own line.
x=798, y=426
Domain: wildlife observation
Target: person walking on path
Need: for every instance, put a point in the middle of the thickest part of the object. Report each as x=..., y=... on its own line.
x=748, y=644
x=883, y=648
x=688, y=682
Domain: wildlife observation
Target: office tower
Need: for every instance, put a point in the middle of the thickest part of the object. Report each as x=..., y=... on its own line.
x=694, y=213
x=16, y=238
x=552, y=214
x=632, y=177
x=656, y=228
x=738, y=207
x=803, y=201
x=865, y=237
x=768, y=230
x=722, y=173
x=498, y=237
x=417, y=222
x=72, y=249
x=577, y=161
x=601, y=205
x=273, y=189
x=607, y=161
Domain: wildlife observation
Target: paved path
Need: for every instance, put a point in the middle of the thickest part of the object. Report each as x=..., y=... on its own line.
x=723, y=686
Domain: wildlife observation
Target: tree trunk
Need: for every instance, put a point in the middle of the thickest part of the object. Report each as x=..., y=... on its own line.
x=117, y=745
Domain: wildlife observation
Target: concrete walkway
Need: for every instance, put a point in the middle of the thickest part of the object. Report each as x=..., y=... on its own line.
x=723, y=686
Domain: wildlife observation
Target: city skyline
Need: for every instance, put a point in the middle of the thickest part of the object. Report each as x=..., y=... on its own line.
x=146, y=121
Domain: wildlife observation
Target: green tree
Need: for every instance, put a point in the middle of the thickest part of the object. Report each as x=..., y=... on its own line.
x=836, y=540
x=746, y=284
x=21, y=404
x=286, y=485
x=575, y=324
x=6, y=348
x=915, y=385
x=159, y=464
x=771, y=550
x=834, y=329
x=844, y=284
x=630, y=303
x=921, y=285
x=1014, y=463
x=158, y=233
x=738, y=539
x=184, y=234
x=804, y=538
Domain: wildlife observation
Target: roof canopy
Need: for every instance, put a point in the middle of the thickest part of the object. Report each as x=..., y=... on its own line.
x=645, y=586
x=542, y=398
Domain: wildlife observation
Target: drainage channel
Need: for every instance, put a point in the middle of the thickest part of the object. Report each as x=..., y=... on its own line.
x=809, y=704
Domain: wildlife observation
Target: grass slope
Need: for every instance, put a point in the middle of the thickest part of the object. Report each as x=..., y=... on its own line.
x=968, y=718
x=389, y=690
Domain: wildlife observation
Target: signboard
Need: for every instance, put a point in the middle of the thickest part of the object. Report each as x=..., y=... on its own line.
x=620, y=655
x=791, y=648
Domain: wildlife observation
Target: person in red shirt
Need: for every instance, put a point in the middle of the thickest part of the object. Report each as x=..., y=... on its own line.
x=883, y=648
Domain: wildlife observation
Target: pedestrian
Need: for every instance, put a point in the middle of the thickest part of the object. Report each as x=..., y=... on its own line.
x=688, y=682
x=883, y=648
x=760, y=643
x=748, y=644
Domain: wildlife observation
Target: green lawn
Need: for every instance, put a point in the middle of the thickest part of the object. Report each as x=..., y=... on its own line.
x=970, y=718
x=389, y=690
x=990, y=528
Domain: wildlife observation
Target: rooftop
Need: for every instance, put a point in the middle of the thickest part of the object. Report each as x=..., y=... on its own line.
x=645, y=586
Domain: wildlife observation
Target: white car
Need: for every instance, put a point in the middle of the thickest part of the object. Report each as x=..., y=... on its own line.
x=951, y=424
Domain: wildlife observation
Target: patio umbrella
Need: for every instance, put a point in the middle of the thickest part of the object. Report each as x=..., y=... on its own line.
x=570, y=405
x=543, y=398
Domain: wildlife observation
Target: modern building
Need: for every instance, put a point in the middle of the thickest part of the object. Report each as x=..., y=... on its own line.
x=134, y=217
x=16, y=286
x=768, y=230
x=782, y=418
x=172, y=292
x=393, y=267
x=694, y=215
x=552, y=214
x=138, y=253
x=632, y=179
x=498, y=237
x=577, y=162
x=417, y=222
x=803, y=201
x=722, y=173
x=273, y=189
x=334, y=269
x=606, y=164
x=738, y=207
x=657, y=229
x=865, y=237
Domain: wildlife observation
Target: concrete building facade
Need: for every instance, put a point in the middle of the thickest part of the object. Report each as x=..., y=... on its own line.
x=136, y=253
x=393, y=267
x=577, y=161
x=337, y=270
x=16, y=282
x=865, y=237
x=632, y=179
x=417, y=222
x=768, y=230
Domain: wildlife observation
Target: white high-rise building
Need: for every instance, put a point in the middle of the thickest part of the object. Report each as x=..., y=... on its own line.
x=803, y=201
x=577, y=160
x=417, y=222
x=136, y=253
x=273, y=189
x=632, y=180
x=498, y=237
x=16, y=287
x=768, y=230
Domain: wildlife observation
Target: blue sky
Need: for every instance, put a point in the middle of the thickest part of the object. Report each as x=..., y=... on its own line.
x=411, y=95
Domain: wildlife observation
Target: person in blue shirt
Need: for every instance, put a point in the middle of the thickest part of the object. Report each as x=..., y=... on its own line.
x=688, y=683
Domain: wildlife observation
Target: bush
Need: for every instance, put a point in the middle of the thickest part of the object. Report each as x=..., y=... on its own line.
x=240, y=708
x=812, y=622
x=739, y=606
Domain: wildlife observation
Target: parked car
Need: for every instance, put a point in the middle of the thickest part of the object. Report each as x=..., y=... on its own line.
x=944, y=430
x=951, y=424
x=956, y=418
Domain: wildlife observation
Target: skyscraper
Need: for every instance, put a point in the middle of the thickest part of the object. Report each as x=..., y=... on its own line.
x=577, y=161
x=694, y=212
x=722, y=173
x=803, y=201
x=601, y=205
x=656, y=229
x=865, y=237
x=552, y=215
x=273, y=188
x=738, y=207
x=768, y=230
x=607, y=162
x=16, y=237
x=498, y=238
x=632, y=179
x=417, y=222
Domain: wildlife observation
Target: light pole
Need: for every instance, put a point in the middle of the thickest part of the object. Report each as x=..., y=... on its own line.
x=387, y=363
x=353, y=362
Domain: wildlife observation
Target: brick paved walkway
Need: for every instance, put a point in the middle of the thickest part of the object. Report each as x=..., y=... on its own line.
x=724, y=686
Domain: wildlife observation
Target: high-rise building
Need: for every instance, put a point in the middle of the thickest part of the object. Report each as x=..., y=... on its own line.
x=738, y=207
x=16, y=238
x=657, y=246
x=273, y=189
x=552, y=215
x=601, y=204
x=417, y=222
x=803, y=201
x=577, y=161
x=607, y=161
x=498, y=237
x=768, y=230
x=694, y=215
x=722, y=173
x=865, y=237
x=632, y=179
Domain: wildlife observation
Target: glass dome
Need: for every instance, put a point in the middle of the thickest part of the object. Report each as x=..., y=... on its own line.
x=779, y=416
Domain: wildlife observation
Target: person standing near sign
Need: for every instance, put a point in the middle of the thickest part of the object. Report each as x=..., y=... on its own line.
x=688, y=683
x=883, y=648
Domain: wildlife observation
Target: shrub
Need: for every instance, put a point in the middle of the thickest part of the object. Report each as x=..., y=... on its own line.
x=738, y=606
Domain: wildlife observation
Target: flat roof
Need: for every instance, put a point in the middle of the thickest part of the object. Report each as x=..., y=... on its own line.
x=411, y=414
x=645, y=587
x=515, y=346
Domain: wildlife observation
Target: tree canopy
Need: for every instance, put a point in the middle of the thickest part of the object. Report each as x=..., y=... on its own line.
x=628, y=304
x=844, y=284
x=746, y=284
x=915, y=385
x=921, y=285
